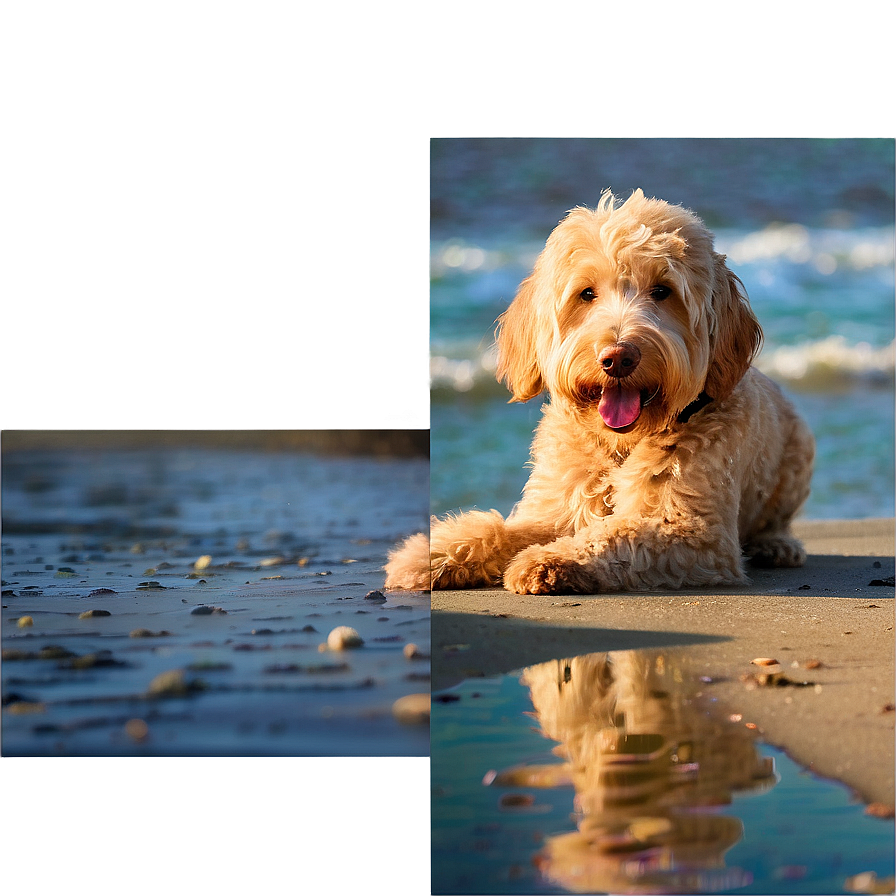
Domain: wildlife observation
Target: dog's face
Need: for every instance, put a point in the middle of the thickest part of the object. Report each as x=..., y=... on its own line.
x=628, y=316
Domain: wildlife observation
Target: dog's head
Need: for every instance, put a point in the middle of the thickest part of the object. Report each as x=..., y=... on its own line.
x=628, y=316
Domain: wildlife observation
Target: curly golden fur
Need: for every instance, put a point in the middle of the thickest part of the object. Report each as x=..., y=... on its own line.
x=662, y=457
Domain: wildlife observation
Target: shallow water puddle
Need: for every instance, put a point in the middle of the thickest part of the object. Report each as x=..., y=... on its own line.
x=618, y=772
x=178, y=603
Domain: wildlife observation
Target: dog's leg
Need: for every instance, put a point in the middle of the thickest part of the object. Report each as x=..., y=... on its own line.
x=470, y=550
x=642, y=556
x=467, y=550
x=772, y=544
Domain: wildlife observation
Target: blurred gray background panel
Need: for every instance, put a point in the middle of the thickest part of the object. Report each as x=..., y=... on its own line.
x=215, y=214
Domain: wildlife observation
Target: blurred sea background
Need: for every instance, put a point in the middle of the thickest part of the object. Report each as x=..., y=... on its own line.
x=807, y=224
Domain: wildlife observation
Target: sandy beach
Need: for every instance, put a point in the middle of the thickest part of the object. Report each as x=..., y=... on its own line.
x=829, y=624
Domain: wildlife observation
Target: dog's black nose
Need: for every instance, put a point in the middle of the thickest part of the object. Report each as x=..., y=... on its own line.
x=620, y=360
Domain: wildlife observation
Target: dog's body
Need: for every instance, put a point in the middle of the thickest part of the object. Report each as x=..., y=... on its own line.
x=662, y=456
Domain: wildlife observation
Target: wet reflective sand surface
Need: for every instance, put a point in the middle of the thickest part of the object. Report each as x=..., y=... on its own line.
x=180, y=601
x=620, y=772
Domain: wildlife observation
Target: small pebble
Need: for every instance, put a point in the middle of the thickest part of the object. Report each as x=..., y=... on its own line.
x=411, y=651
x=414, y=709
x=343, y=637
x=375, y=595
x=205, y=610
x=172, y=683
x=136, y=729
x=23, y=707
x=880, y=810
x=92, y=614
x=764, y=661
x=203, y=562
x=25, y=621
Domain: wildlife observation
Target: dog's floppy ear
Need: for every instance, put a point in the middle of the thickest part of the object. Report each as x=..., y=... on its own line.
x=737, y=335
x=515, y=336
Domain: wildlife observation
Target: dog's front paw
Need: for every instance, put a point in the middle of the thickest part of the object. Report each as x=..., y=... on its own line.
x=408, y=566
x=544, y=570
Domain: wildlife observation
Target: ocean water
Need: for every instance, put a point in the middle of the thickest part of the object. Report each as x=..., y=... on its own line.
x=808, y=225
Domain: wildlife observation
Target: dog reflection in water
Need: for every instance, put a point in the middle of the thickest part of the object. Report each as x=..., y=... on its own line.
x=646, y=760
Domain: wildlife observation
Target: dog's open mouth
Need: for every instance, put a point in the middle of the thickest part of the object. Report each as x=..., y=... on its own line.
x=618, y=405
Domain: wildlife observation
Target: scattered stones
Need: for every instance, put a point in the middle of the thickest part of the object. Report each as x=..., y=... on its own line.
x=889, y=581
x=98, y=591
x=65, y=572
x=414, y=709
x=93, y=614
x=25, y=622
x=146, y=633
x=344, y=637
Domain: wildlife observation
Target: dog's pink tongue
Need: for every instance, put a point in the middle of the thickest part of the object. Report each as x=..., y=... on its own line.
x=619, y=406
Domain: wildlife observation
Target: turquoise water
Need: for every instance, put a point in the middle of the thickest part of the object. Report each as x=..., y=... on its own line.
x=806, y=224
x=717, y=809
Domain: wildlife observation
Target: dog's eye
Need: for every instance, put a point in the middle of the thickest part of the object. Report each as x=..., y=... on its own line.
x=587, y=295
x=660, y=292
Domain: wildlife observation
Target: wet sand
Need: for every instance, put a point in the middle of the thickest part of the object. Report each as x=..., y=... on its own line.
x=839, y=725
x=179, y=601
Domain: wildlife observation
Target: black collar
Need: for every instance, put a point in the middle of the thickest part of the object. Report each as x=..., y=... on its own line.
x=700, y=402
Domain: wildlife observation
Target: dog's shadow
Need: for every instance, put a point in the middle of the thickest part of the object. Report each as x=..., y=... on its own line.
x=470, y=645
x=825, y=575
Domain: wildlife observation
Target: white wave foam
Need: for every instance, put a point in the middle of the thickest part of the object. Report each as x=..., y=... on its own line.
x=462, y=374
x=826, y=250
x=830, y=361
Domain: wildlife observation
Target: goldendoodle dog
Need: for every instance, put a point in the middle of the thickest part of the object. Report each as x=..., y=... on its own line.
x=663, y=458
